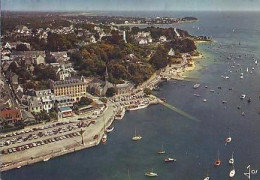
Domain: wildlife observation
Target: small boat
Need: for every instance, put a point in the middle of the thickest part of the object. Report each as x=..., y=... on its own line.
x=196, y=86
x=170, y=159
x=204, y=100
x=241, y=77
x=151, y=174
x=243, y=96
x=136, y=137
x=108, y=130
x=224, y=102
x=18, y=167
x=228, y=139
x=226, y=77
x=253, y=68
x=249, y=100
x=161, y=151
x=46, y=159
x=232, y=172
x=104, y=138
x=246, y=69
x=243, y=113
x=206, y=178
x=212, y=90
x=231, y=160
x=197, y=95
x=217, y=162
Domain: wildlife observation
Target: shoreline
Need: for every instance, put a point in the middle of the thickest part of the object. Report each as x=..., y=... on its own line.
x=171, y=72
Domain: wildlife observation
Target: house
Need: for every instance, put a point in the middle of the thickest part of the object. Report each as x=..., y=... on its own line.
x=64, y=112
x=28, y=117
x=142, y=41
x=22, y=29
x=60, y=56
x=10, y=116
x=35, y=57
x=12, y=77
x=63, y=101
x=35, y=105
x=13, y=45
x=64, y=70
x=171, y=52
x=162, y=39
x=46, y=97
x=124, y=88
x=96, y=86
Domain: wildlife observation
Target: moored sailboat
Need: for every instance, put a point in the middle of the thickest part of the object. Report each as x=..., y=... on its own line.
x=151, y=174
x=217, y=162
x=228, y=139
x=162, y=151
x=136, y=137
x=231, y=160
x=232, y=172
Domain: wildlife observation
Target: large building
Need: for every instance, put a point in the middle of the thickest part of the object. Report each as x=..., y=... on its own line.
x=75, y=88
x=10, y=116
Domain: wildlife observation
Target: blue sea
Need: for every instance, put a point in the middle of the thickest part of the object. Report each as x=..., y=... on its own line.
x=193, y=143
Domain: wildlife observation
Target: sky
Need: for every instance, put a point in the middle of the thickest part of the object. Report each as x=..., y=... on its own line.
x=130, y=5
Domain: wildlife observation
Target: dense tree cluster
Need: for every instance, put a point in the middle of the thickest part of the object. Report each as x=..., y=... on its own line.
x=160, y=58
x=182, y=45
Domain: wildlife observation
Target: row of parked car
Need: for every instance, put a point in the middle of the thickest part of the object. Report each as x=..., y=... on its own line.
x=39, y=143
x=40, y=132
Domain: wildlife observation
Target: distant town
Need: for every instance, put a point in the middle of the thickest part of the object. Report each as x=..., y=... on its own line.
x=66, y=77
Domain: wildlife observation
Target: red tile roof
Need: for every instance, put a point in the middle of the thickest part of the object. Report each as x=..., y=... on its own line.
x=11, y=113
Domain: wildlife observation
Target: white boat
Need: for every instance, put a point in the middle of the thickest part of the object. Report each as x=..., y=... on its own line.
x=246, y=69
x=46, y=159
x=151, y=174
x=120, y=114
x=18, y=167
x=232, y=172
x=136, y=107
x=204, y=100
x=253, y=68
x=256, y=62
x=197, y=95
x=206, y=178
x=228, y=139
x=241, y=77
x=212, y=90
x=231, y=160
x=170, y=159
x=196, y=86
x=243, y=96
x=110, y=129
x=136, y=137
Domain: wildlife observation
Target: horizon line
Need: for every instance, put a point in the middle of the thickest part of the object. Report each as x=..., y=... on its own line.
x=86, y=11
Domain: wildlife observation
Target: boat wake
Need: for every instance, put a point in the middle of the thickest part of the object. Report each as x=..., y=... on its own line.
x=179, y=111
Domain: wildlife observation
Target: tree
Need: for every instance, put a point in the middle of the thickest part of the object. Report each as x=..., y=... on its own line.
x=84, y=101
x=111, y=92
x=147, y=91
x=21, y=47
x=160, y=58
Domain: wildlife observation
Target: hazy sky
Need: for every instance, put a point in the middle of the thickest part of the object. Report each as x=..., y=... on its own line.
x=106, y=5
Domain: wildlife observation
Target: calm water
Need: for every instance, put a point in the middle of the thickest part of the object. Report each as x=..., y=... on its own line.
x=194, y=144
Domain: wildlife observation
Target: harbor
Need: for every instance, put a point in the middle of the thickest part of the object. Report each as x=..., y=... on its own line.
x=193, y=136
